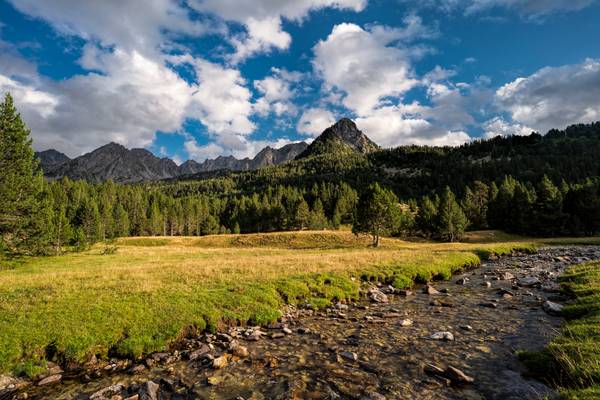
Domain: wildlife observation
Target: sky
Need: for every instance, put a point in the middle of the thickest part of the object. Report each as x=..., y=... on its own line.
x=195, y=79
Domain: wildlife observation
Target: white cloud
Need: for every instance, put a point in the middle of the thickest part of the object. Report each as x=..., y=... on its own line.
x=32, y=103
x=128, y=102
x=554, y=97
x=497, y=126
x=132, y=25
x=346, y=60
x=364, y=65
x=314, y=121
x=392, y=126
x=245, y=148
x=221, y=101
x=262, y=20
x=277, y=93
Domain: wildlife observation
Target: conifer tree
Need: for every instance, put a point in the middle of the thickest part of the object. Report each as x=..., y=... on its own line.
x=475, y=204
x=452, y=221
x=24, y=209
x=302, y=217
x=377, y=213
x=426, y=219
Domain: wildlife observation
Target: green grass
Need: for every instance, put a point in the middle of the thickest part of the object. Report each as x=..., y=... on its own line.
x=572, y=360
x=153, y=290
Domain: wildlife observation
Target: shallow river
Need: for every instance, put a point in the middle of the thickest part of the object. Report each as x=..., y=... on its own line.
x=369, y=350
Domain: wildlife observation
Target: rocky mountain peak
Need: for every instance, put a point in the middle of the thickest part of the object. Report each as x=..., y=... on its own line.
x=341, y=137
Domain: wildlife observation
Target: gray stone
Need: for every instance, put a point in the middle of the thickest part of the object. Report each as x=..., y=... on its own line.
x=446, y=336
x=377, y=296
x=149, y=391
x=52, y=379
x=552, y=308
x=107, y=392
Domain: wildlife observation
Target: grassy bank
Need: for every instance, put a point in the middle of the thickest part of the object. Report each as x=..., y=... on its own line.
x=572, y=360
x=151, y=290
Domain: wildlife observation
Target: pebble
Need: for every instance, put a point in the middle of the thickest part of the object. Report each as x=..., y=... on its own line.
x=220, y=362
x=446, y=336
x=406, y=322
x=50, y=380
x=430, y=290
x=377, y=296
x=349, y=355
x=552, y=308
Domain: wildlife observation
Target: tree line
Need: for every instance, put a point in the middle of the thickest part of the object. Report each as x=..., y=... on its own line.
x=40, y=217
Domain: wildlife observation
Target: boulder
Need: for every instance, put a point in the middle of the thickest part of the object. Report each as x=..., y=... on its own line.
x=457, y=376
x=107, y=392
x=430, y=290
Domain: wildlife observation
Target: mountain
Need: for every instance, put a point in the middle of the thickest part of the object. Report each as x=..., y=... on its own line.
x=49, y=159
x=341, y=138
x=113, y=161
x=266, y=157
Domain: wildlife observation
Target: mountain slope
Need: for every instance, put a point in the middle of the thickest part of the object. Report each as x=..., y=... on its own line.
x=341, y=138
x=116, y=162
x=50, y=159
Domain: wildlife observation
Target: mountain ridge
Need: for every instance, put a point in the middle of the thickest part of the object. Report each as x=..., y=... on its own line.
x=116, y=162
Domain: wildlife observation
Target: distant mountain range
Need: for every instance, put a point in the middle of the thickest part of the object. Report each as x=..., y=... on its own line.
x=114, y=161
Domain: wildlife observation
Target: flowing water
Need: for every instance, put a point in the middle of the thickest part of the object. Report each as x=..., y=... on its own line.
x=369, y=350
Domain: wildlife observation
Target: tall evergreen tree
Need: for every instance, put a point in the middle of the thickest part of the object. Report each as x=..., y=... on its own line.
x=452, y=221
x=24, y=205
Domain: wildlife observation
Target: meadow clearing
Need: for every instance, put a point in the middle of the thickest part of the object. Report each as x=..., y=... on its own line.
x=152, y=290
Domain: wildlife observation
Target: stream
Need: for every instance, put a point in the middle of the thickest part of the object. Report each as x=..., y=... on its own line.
x=458, y=343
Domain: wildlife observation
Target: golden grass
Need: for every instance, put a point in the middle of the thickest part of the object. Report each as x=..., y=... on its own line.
x=142, y=297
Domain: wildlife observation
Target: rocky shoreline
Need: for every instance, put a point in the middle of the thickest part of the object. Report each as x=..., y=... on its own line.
x=448, y=340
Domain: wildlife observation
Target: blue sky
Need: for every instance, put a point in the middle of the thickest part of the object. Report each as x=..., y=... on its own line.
x=202, y=78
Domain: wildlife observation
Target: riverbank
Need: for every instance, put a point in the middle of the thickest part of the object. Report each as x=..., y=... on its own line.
x=370, y=347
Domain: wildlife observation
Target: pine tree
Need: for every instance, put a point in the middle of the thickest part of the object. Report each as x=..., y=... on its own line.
x=121, y=218
x=452, y=221
x=377, y=213
x=24, y=206
x=427, y=216
x=475, y=204
x=302, y=217
x=317, y=216
x=549, y=218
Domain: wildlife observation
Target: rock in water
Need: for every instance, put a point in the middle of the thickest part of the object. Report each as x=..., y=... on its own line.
x=349, y=355
x=430, y=290
x=107, y=392
x=149, y=391
x=240, y=351
x=220, y=362
x=457, y=376
x=552, y=308
x=406, y=322
x=446, y=336
x=377, y=296
x=529, y=281
x=50, y=380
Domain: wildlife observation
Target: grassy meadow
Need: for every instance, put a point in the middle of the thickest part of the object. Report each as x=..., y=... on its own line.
x=152, y=290
x=572, y=360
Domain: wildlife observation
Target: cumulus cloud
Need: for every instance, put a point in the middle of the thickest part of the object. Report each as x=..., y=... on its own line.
x=363, y=65
x=130, y=99
x=398, y=125
x=497, y=126
x=132, y=25
x=314, y=121
x=277, y=92
x=247, y=148
x=221, y=100
x=263, y=18
x=554, y=97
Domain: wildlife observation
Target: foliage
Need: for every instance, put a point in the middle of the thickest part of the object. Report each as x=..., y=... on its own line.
x=377, y=213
